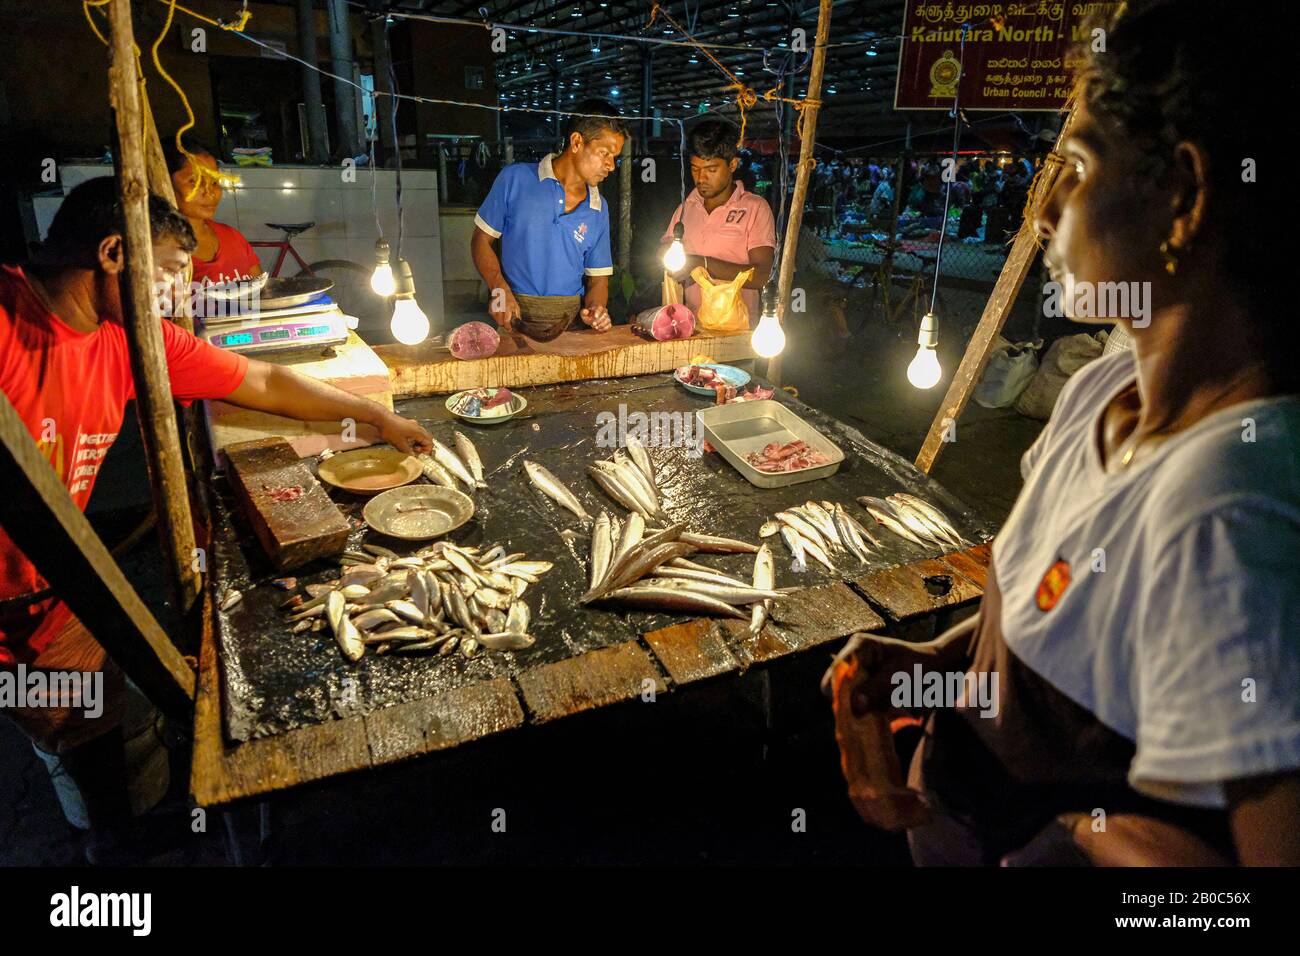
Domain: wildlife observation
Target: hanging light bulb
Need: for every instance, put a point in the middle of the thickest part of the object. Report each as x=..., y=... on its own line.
x=675, y=254
x=381, y=280
x=409, y=324
x=768, y=339
x=924, y=371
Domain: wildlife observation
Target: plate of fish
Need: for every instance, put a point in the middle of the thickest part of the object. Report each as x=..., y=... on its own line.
x=706, y=379
x=368, y=471
x=486, y=406
x=418, y=512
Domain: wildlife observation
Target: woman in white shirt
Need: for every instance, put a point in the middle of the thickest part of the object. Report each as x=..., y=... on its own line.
x=1142, y=610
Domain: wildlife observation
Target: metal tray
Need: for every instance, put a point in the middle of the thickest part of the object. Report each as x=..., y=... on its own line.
x=737, y=429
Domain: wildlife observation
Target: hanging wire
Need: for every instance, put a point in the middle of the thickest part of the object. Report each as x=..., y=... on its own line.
x=956, y=138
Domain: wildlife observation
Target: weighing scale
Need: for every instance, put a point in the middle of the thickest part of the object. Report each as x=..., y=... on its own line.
x=300, y=319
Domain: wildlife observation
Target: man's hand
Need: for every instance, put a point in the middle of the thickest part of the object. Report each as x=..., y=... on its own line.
x=405, y=435
x=878, y=659
x=597, y=316
x=503, y=307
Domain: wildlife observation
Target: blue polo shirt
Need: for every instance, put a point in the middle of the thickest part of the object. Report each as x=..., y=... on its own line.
x=544, y=250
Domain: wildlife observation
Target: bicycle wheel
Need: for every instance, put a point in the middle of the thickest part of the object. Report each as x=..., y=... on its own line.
x=354, y=296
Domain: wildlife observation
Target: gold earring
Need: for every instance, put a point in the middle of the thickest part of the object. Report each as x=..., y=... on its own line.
x=1171, y=257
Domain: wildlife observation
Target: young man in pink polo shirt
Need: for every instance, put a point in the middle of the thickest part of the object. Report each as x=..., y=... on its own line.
x=727, y=228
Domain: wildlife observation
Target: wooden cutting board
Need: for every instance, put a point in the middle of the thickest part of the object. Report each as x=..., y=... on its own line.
x=293, y=517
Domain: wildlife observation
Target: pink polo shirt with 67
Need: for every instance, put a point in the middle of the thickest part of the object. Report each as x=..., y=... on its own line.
x=742, y=223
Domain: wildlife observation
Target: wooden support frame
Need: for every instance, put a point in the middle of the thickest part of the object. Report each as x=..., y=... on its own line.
x=144, y=333
x=1023, y=252
x=39, y=516
x=807, y=137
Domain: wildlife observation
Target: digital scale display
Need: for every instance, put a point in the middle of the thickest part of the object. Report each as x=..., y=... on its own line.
x=276, y=332
x=271, y=335
x=313, y=330
x=237, y=338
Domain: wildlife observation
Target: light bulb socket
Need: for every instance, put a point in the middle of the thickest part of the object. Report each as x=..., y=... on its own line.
x=929, y=334
x=403, y=281
x=679, y=230
x=382, y=252
x=769, y=299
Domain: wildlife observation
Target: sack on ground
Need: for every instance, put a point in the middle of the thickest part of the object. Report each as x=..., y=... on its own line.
x=1064, y=357
x=1008, y=372
x=722, y=308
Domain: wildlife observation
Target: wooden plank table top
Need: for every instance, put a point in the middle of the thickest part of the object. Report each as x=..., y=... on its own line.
x=430, y=369
x=666, y=659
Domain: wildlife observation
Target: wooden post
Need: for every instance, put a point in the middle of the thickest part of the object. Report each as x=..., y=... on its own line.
x=38, y=515
x=807, y=135
x=143, y=329
x=1023, y=252
x=625, y=206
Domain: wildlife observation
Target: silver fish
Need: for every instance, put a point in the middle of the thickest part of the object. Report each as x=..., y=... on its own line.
x=380, y=551
x=449, y=646
x=806, y=529
x=641, y=458
x=600, y=549
x=849, y=534
x=451, y=461
x=671, y=599
x=816, y=550
x=469, y=646
x=697, y=574
x=556, y=490
x=740, y=594
x=345, y=632
x=370, y=619
x=518, y=618
x=936, y=517
x=408, y=610
x=884, y=515
x=714, y=544
x=415, y=580
x=769, y=528
x=613, y=485
x=506, y=641
x=824, y=522
x=301, y=626
x=795, y=543
x=436, y=473
x=469, y=455
x=637, y=480
x=633, y=532
x=764, y=578
x=229, y=598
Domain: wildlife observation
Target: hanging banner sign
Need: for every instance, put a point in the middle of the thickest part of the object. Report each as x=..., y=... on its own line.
x=1018, y=56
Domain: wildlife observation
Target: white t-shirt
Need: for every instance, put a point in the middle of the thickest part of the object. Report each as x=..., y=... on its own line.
x=1188, y=642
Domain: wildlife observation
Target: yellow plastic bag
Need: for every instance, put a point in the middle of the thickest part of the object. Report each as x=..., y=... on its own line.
x=722, y=308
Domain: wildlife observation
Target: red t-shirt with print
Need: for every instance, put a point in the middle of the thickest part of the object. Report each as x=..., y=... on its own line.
x=70, y=389
x=235, y=258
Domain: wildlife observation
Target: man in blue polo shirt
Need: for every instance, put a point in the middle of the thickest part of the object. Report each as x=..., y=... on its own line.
x=554, y=265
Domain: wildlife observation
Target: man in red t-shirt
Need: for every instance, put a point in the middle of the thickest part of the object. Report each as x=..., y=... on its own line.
x=65, y=367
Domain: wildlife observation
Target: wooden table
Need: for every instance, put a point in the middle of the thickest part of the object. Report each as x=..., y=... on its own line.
x=663, y=660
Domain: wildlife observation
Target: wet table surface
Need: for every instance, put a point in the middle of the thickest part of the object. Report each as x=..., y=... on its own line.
x=274, y=684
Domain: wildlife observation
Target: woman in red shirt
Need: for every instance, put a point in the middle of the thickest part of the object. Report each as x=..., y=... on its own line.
x=223, y=254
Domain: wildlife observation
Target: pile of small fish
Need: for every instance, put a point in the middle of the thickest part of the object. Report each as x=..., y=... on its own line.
x=630, y=480
x=441, y=599
x=445, y=467
x=649, y=568
x=792, y=456
x=820, y=530
x=913, y=519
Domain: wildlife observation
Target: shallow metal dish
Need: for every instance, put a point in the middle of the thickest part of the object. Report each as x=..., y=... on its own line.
x=368, y=471
x=737, y=429
x=284, y=292
x=235, y=289
x=418, y=512
x=517, y=404
x=729, y=374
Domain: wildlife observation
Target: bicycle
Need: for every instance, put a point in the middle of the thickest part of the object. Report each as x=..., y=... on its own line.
x=351, y=280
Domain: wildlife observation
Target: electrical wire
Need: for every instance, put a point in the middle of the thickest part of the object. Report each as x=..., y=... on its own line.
x=947, y=194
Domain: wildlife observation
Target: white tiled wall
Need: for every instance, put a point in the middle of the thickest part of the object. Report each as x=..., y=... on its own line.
x=343, y=213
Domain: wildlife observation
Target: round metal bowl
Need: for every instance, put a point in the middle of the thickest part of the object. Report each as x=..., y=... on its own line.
x=729, y=374
x=368, y=471
x=284, y=292
x=418, y=512
x=516, y=405
x=235, y=289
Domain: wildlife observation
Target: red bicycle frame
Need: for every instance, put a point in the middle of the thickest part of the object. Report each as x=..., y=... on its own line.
x=284, y=245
